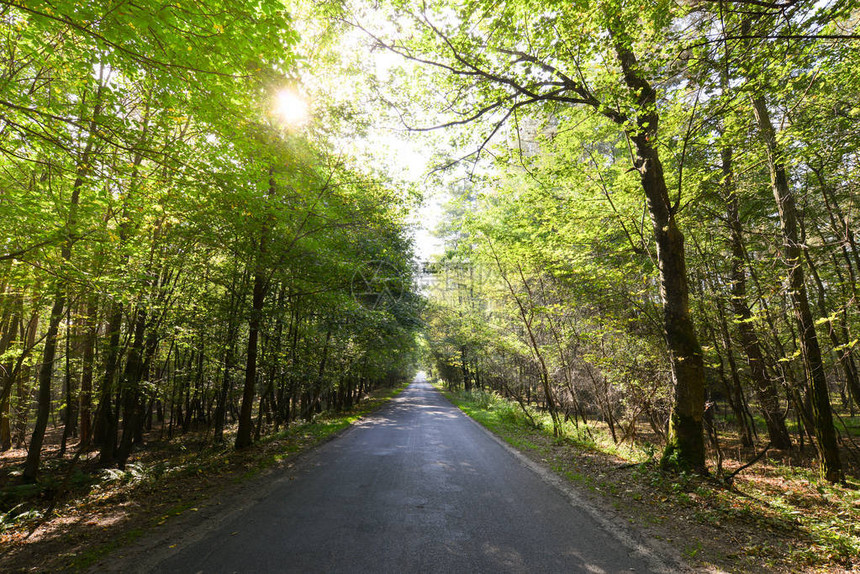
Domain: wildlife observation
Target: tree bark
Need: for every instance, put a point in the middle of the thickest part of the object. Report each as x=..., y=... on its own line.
x=88, y=357
x=825, y=432
x=46, y=371
x=845, y=358
x=226, y=383
x=8, y=325
x=765, y=388
x=70, y=414
x=105, y=429
x=686, y=440
x=734, y=390
x=246, y=425
x=685, y=446
x=28, y=335
x=130, y=390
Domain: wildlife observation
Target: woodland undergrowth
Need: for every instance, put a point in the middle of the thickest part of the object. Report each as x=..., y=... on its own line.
x=776, y=515
x=74, y=504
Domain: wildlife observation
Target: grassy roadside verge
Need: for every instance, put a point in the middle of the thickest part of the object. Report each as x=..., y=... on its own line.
x=106, y=510
x=776, y=516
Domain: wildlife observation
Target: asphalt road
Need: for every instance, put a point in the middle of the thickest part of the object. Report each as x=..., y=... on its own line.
x=417, y=487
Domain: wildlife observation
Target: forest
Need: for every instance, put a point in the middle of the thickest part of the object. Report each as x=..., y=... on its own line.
x=176, y=256
x=669, y=224
x=649, y=227
x=651, y=250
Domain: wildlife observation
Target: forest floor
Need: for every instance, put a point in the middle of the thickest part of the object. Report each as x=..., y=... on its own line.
x=95, y=511
x=775, y=516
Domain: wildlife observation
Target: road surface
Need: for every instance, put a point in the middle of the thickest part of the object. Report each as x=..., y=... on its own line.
x=416, y=487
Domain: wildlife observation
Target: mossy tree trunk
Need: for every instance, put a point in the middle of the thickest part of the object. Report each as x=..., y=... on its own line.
x=825, y=432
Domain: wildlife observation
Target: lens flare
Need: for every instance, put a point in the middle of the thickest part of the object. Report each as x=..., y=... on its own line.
x=291, y=107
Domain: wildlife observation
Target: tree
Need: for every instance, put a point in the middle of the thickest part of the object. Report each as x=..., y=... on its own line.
x=515, y=56
x=571, y=90
x=150, y=206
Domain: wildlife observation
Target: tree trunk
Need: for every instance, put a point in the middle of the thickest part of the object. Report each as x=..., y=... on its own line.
x=734, y=390
x=105, y=430
x=28, y=335
x=685, y=444
x=5, y=426
x=825, y=432
x=8, y=325
x=130, y=390
x=246, y=424
x=685, y=440
x=70, y=412
x=765, y=388
x=226, y=383
x=46, y=371
x=88, y=357
x=845, y=358
x=244, y=433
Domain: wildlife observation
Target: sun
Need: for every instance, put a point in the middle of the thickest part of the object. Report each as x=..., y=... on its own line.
x=291, y=107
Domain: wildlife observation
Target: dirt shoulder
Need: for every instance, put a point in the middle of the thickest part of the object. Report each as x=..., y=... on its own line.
x=107, y=518
x=774, y=517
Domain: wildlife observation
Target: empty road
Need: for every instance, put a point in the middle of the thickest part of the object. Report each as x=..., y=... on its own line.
x=416, y=487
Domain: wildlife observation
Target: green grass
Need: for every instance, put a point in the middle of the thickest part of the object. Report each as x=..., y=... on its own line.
x=848, y=425
x=176, y=511
x=690, y=551
x=803, y=522
x=174, y=461
x=508, y=419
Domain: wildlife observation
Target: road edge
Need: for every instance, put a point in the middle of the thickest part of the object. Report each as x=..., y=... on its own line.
x=659, y=556
x=145, y=554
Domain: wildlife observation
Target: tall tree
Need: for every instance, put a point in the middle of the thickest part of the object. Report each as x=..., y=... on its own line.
x=518, y=55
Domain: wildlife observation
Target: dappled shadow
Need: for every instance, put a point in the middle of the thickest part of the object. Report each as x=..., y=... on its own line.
x=420, y=399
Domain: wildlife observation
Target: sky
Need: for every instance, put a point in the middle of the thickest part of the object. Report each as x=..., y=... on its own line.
x=405, y=157
x=409, y=158
x=428, y=216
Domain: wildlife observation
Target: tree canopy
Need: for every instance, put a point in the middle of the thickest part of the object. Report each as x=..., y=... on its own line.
x=173, y=252
x=653, y=210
